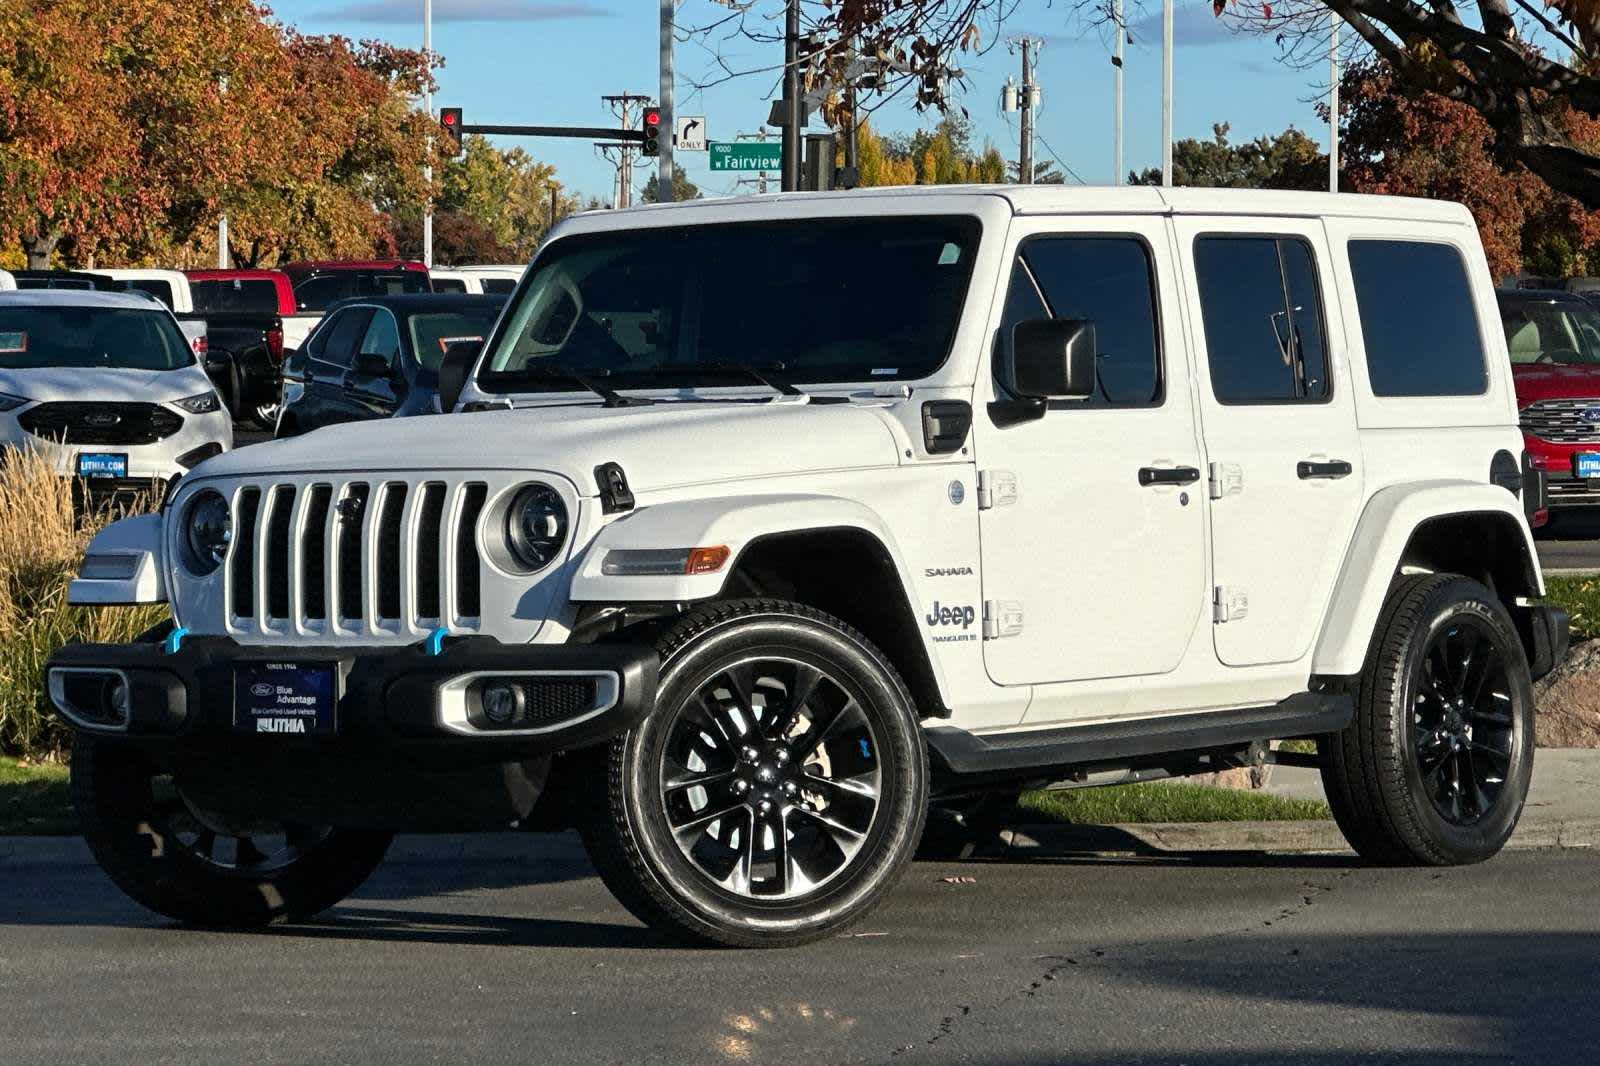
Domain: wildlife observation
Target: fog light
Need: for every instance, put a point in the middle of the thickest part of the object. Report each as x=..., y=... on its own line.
x=116, y=698
x=503, y=702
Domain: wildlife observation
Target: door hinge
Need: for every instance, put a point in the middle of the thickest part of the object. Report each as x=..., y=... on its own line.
x=1001, y=618
x=1225, y=479
x=996, y=488
x=1229, y=604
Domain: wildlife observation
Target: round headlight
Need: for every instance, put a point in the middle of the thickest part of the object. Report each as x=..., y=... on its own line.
x=207, y=530
x=536, y=526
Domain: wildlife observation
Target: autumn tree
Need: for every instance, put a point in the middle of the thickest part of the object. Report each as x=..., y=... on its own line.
x=682, y=188
x=1287, y=160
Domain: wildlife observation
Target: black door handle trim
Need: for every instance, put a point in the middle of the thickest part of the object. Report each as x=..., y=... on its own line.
x=1333, y=468
x=1176, y=475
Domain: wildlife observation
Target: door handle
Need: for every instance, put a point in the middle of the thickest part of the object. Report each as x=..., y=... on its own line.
x=1330, y=469
x=1168, y=475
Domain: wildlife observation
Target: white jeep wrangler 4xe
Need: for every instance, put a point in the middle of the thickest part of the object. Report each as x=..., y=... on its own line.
x=767, y=523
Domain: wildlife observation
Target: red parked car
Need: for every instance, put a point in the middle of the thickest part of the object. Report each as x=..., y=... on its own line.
x=1554, y=340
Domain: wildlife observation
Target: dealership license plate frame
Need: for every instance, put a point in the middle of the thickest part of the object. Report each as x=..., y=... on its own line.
x=90, y=463
x=287, y=697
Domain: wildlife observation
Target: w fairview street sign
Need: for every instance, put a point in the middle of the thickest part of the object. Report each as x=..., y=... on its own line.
x=746, y=155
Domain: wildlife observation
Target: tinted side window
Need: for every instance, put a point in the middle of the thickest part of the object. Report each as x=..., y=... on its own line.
x=496, y=286
x=449, y=285
x=1263, y=319
x=341, y=339
x=1108, y=281
x=161, y=290
x=1417, y=319
x=317, y=293
x=383, y=337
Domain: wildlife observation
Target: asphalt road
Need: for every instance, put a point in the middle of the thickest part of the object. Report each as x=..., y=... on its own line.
x=1231, y=959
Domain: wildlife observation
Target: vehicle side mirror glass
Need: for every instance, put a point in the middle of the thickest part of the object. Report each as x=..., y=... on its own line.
x=1053, y=359
x=459, y=359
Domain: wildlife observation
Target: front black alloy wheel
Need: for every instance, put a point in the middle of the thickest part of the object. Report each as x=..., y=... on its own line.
x=777, y=790
x=1435, y=765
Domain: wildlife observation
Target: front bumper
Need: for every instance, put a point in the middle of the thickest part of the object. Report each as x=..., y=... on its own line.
x=404, y=753
x=147, y=463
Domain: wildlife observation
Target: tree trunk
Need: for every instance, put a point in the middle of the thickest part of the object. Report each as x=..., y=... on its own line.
x=39, y=250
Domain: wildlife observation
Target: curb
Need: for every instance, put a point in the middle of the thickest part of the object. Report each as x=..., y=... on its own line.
x=1040, y=841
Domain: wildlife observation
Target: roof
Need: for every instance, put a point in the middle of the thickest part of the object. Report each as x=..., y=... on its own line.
x=1540, y=296
x=420, y=302
x=306, y=266
x=78, y=298
x=242, y=274
x=1086, y=199
x=136, y=273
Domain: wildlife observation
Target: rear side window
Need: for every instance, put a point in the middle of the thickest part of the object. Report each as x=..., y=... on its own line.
x=1262, y=312
x=1417, y=319
x=339, y=340
x=1108, y=281
x=449, y=285
x=320, y=291
x=497, y=286
x=161, y=290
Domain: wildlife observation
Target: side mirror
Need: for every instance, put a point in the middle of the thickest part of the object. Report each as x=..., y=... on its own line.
x=459, y=359
x=371, y=365
x=1053, y=359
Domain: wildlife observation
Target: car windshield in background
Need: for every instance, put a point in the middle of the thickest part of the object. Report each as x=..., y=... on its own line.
x=431, y=333
x=321, y=291
x=857, y=299
x=259, y=296
x=1551, y=332
x=123, y=338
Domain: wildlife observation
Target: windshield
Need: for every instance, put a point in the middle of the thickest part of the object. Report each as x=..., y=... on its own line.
x=811, y=301
x=125, y=338
x=1551, y=333
x=433, y=332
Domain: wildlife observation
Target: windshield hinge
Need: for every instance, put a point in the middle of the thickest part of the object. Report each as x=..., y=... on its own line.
x=996, y=488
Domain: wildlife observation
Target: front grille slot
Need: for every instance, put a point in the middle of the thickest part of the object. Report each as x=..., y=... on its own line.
x=314, y=554
x=429, y=550
x=1563, y=421
x=391, y=509
x=468, y=594
x=243, y=559
x=280, y=517
x=352, y=510
x=83, y=422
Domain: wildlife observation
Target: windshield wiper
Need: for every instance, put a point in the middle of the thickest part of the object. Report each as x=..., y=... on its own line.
x=611, y=396
x=759, y=375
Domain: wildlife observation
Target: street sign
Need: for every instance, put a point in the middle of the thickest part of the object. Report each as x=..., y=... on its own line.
x=746, y=155
x=691, y=133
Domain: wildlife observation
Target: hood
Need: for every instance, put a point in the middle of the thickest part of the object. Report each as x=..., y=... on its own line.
x=100, y=383
x=660, y=446
x=1545, y=381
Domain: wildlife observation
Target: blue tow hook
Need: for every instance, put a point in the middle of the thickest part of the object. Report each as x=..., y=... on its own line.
x=433, y=644
x=175, y=640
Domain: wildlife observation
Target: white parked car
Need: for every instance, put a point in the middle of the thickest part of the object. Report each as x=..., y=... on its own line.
x=171, y=287
x=487, y=278
x=108, y=385
x=7, y=282
x=832, y=505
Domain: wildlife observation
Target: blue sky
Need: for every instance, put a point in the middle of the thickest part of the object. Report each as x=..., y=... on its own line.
x=523, y=61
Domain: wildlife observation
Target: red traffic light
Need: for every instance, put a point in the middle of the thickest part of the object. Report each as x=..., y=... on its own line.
x=449, y=118
x=652, y=116
x=450, y=123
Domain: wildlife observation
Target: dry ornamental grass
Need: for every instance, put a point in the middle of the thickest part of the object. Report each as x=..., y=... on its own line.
x=42, y=541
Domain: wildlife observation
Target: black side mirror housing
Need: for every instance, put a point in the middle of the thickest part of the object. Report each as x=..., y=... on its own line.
x=459, y=359
x=371, y=365
x=1053, y=359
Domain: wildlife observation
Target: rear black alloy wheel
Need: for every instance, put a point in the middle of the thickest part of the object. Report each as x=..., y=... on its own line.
x=189, y=865
x=778, y=789
x=265, y=414
x=1435, y=765
x=1462, y=722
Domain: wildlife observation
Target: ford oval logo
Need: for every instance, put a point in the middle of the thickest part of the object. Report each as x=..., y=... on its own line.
x=261, y=690
x=106, y=418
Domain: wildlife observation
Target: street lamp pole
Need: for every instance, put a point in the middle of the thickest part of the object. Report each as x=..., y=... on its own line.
x=1333, y=101
x=1116, y=107
x=669, y=123
x=1166, y=92
x=427, y=105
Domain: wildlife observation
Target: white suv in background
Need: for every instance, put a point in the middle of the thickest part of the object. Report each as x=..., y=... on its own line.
x=493, y=279
x=777, y=519
x=108, y=385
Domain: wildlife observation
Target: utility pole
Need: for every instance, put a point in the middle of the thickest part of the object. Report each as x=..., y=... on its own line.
x=622, y=106
x=669, y=124
x=1116, y=107
x=1166, y=93
x=1333, y=101
x=427, y=105
x=1025, y=102
x=791, y=97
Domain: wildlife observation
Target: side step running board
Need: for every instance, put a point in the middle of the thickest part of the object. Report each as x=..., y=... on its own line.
x=1304, y=714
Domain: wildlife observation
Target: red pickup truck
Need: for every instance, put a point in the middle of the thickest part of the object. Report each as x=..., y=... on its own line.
x=1554, y=340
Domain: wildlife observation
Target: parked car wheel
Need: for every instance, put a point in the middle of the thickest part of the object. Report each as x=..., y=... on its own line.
x=778, y=789
x=1435, y=766
x=265, y=415
x=180, y=863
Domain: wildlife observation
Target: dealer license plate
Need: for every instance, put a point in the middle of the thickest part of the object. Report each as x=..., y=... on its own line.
x=295, y=699
x=112, y=464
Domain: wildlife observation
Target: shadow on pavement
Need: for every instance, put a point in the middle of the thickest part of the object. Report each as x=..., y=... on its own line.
x=438, y=927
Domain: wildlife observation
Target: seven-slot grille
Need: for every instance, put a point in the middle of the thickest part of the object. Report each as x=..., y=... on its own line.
x=101, y=423
x=366, y=557
x=1563, y=421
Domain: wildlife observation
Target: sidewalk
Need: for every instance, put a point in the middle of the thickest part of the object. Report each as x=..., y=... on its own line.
x=1563, y=811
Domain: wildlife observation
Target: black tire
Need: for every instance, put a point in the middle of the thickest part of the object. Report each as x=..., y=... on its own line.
x=235, y=393
x=1404, y=786
x=138, y=837
x=671, y=887
x=264, y=414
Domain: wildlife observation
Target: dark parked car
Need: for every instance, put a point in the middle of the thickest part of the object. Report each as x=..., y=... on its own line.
x=378, y=357
x=66, y=279
x=244, y=310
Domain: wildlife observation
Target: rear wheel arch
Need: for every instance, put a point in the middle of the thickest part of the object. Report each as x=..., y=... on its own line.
x=1487, y=546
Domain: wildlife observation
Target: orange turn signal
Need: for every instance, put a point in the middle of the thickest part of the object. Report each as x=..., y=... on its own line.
x=706, y=560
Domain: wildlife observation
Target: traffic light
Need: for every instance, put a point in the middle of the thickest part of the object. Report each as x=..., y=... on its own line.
x=450, y=123
x=652, y=132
